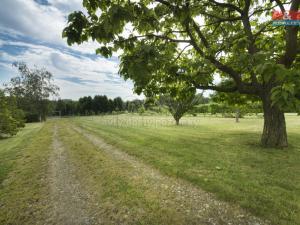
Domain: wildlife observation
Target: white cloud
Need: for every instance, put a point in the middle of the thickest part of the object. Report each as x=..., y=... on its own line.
x=78, y=90
x=86, y=47
x=43, y=23
x=36, y=27
x=31, y=19
x=76, y=75
x=67, y=5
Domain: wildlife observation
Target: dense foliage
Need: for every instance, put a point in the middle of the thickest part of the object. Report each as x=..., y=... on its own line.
x=99, y=104
x=11, y=118
x=199, y=39
x=32, y=89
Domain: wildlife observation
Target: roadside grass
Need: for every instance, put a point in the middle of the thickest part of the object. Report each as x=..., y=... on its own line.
x=23, y=163
x=219, y=156
x=11, y=148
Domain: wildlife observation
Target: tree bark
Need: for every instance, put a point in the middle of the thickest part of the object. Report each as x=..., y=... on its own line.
x=274, y=132
x=177, y=121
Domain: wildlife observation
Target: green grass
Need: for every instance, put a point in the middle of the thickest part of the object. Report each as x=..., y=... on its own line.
x=11, y=148
x=23, y=166
x=121, y=198
x=219, y=156
x=216, y=154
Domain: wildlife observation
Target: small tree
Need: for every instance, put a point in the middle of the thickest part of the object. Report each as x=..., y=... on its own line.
x=179, y=105
x=32, y=89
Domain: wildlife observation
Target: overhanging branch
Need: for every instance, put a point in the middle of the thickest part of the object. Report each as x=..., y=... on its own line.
x=158, y=37
x=226, y=5
x=217, y=88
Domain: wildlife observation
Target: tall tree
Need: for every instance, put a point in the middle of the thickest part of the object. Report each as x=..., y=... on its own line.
x=32, y=89
x=85, y=105
x=66, y=107
x=118, y=104
x=100, y=103
x=224, y=37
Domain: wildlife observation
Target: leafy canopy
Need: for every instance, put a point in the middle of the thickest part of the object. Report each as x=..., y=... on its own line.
x=32, y=88
x=158, y=38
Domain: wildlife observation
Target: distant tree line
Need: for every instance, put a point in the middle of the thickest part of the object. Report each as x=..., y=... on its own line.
x=99, y=104
x=227, y=110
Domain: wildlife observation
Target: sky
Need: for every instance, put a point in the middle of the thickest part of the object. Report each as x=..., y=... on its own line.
x=30, y=32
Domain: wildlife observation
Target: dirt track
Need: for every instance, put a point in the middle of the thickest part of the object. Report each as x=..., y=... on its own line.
x=69, y=201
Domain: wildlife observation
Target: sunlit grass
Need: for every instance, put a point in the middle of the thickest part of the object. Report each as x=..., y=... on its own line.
x=218, y=155
x=23, y=168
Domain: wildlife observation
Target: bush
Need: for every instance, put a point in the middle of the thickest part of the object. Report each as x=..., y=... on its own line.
x=11, y=118
x=141, y=110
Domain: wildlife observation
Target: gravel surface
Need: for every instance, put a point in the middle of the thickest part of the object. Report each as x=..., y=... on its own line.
x=68, y=199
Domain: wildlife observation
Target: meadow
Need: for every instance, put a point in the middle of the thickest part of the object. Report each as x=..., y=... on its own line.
x=214, y=155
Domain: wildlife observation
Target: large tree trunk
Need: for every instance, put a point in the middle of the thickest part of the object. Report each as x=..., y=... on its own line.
x=274, y=133
x=177, y=121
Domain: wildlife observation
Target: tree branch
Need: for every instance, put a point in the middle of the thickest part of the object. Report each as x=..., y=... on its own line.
x=247, y=28
x=166, y=3
x=217, y=88
x=291, y=40
x=279, y=3
x=156, y=36
x=222, y=19
x=226, y=5
x=200, y=34
x=180, y=53
x=212, y=59
x=261, y=30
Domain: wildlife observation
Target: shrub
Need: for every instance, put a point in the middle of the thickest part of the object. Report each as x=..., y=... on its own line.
x=11, y=118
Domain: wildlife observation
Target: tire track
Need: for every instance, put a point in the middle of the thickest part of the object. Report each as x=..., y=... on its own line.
x=68, y=199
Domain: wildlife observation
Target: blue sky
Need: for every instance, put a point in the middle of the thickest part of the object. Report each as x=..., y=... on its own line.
x=30, y=31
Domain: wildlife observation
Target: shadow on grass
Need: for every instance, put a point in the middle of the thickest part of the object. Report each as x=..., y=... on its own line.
x=2, y=137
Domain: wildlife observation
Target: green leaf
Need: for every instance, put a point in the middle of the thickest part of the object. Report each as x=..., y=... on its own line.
x=104, y=51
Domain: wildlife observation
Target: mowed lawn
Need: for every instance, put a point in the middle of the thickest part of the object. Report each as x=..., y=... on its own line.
x=23, y=168
x=216, y=154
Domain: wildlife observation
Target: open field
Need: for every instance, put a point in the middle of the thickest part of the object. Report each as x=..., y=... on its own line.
x=145, y=170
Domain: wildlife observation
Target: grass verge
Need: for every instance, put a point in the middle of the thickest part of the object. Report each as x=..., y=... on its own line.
x=24, y=163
